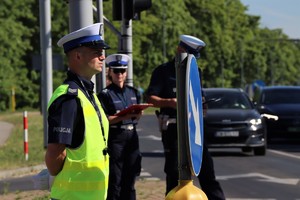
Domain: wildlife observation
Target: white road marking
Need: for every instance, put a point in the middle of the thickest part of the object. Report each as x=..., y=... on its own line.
x=147, y=176
x=284, y=154
x=247, y=199
x=261, y=177
x=152, y=137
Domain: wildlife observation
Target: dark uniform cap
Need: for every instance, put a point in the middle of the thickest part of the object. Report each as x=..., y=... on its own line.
x=89, y=36
x=191, y=44
x=117, y=61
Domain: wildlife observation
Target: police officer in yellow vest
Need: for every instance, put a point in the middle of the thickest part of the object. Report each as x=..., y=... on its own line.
x=77, y=125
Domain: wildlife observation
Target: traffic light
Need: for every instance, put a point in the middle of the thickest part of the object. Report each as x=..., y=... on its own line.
x=131, y=8
x=117, y=10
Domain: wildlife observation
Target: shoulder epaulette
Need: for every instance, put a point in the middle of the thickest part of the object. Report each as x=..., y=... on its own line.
x=105, y=90
x=133, y=88
x=72, y=89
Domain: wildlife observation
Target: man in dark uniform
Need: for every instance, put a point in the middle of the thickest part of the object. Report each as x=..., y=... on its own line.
x=162, y=93
x=78, y=128
x=123, y=141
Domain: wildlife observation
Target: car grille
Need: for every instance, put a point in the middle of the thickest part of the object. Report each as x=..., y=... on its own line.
x=211, y=128
x=233, y=125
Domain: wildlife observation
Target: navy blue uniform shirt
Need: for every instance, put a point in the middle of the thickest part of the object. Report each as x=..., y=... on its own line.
x=115, y=99
x=65, y=115
x=163, y=85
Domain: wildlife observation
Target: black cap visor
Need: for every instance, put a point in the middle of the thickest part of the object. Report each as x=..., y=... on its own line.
x=100, y=44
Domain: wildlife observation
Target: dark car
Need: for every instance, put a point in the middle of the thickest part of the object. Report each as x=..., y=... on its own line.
x=232, y=121
x=281, y=107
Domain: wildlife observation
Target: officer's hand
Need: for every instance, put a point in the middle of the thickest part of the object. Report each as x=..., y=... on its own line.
x=173, y=103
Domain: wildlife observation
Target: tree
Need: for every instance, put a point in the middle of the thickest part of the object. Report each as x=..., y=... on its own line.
x=156, y=36
x=15, y=44
x=237, y=53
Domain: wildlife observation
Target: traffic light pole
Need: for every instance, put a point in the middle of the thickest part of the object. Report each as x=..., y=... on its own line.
x=124, y=40
x=46, y=54
x=125, y=47
x=101, y=77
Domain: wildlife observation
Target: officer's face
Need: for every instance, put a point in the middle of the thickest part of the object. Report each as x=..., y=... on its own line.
x=118, y=75
x=92, y=59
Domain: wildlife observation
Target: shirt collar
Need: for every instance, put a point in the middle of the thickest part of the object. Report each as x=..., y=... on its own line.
x=117, y=88
x=89, y=85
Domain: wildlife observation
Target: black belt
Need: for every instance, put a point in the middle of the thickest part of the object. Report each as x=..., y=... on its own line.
x=127, y=127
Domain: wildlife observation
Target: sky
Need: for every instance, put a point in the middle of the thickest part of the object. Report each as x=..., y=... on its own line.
x=283, y=14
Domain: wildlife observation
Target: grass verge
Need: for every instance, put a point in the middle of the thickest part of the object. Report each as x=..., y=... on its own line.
x=12, y=156
x=12, y=152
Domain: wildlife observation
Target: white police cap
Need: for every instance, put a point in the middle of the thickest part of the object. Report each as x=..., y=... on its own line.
x=191, y=44
x=117, y=61
x=89, y=36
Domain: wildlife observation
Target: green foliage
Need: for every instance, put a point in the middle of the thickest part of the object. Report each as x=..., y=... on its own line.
x=237, y=50
x=15, y=33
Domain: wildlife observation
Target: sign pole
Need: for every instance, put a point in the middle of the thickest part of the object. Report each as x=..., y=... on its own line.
x=183, y=165
x=185, y=188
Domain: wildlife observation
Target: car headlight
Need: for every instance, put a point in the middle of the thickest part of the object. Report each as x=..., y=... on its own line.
x=255, y=124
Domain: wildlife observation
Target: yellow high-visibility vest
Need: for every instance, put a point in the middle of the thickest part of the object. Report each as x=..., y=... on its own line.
x=85, y=171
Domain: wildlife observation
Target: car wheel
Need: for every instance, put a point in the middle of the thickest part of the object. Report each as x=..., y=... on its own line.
x=260, y=151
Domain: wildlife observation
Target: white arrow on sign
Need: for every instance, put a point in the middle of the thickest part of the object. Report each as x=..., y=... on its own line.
x=195, y=111
x=263, y=177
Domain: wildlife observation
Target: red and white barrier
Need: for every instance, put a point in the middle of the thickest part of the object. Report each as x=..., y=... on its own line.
x=25, y=122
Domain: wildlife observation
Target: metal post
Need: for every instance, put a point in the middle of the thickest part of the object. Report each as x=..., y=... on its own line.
x=125, y=46
x=185, y=188
x=80, y=15
x=13, y=99
x=46, y=54
x=100, y=78
x=182, y=126
x=25, y=126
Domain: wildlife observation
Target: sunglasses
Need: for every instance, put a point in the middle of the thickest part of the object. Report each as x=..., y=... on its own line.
x=116, y=71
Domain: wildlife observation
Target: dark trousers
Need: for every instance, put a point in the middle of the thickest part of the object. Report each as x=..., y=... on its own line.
x=124, y=164
x=206, y=177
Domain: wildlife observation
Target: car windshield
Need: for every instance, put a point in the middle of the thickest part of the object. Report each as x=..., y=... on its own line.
x=228, y=100
x=281, y=96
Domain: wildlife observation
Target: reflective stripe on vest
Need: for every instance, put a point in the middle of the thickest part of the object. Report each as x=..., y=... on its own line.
x=85, y=171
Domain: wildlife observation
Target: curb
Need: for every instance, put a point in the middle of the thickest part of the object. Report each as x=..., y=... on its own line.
x=5, y=174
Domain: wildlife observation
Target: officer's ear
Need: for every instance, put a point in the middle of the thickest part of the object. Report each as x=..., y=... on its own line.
x=78, y=54
x=75, y=53
x=180, y=49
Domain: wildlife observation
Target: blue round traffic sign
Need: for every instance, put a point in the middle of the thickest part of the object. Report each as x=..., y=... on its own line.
x=194, y=115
